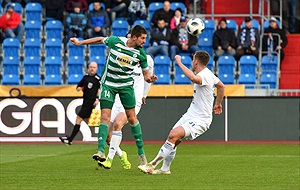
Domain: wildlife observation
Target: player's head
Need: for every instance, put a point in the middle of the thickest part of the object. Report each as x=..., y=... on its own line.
x=139, y=35
x=202, y=57
x=128, y=35
x=92, y=68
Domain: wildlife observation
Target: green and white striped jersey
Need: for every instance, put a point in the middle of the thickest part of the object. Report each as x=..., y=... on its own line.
x=121, y=61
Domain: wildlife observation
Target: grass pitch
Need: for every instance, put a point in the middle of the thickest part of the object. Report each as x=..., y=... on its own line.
x=201, y=166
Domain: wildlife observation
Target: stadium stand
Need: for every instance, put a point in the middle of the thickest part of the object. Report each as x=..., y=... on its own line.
x=32, y=71
x=180, y=77
x=175, y=5
x=33, y=29
x=209, y=29
x=10, y=69
x=162, y=69
x=231, y=24
x=53, y=29
x=119, y=27
x=53, y=47
x=153, y=6
x=11, y=47
x=17, y=7
x=33, y=11
x=206, y=44
x=32, y=47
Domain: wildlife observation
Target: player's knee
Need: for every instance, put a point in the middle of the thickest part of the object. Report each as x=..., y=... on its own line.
x=173, y=137
x=132, y=119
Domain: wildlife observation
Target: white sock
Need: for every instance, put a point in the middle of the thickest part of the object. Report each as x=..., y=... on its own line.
x=167, y=161
x=164, y=151
x=115, y=141
x=119, y=152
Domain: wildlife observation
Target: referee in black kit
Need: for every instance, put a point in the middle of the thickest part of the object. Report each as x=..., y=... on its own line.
x=90, y=85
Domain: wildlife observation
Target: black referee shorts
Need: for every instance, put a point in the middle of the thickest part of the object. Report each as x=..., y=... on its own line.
x=86, y=109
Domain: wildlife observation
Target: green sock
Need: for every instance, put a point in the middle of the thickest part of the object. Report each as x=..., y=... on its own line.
x=137, y=133
x=102, y=135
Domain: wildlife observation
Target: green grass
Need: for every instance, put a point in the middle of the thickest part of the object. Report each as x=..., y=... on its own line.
x=222, y=166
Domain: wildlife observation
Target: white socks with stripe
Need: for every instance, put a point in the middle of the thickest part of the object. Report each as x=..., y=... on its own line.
x=164, y=152
x=115, y=142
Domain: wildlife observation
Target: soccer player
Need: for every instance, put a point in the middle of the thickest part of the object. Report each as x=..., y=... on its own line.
x=198, y=117
x=90, y=85
x=116, y=79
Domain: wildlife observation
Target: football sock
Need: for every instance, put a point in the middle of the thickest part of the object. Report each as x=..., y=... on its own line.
x=115, y=141
x=119, y=152
x=167, y=161
x=164, y=151
x=137, y=133
x=102, y=135
x=74, y=132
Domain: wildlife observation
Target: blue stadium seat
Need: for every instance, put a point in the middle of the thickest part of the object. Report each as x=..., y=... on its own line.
x=17, y=7
x=162, y=69
x=120, y=27
x=53, y=47
x=226, y=65
x=11, y=47
x=267, y=23
x=180, y=77
x=210, y=64
x=53, y=65
x=76, y=60
x=53, y=79
x=145, y=23
x=75, y=66
x=269, y=78
x=255, y=24
x=209, y=30
x=11, y=71
x=153, y=7
x=32, y=47
x=75, y=50
x=175, y=5
x=74, y=78
x=248, y=64
x=231, y=24
x=247, y=79
x=227, y=78
x=206, y=44
x=33, y=11
x=53, y=29
x=33, y=29
x=32, y=71
x=97, y=50
x=147, y=44
x=269, y=64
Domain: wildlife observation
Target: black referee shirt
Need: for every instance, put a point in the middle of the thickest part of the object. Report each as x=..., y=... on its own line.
x=91, y=85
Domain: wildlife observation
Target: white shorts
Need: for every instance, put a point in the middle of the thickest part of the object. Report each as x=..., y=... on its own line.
x=118, y=107
x=193, y=127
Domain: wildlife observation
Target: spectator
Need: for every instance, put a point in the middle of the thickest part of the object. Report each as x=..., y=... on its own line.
x=160, y=39
x=98, y=21
x=182, y=41
x=137, y=10
x=117, y=8
x=55, y=9
x=11, y=24
x=175, y=21
x=248, y=40
x=271, y=42
x=76, y=22
x=83, y=4
x=224, y=40
x=166, y=13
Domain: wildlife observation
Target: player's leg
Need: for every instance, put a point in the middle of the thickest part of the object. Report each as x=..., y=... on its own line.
x=68, y=140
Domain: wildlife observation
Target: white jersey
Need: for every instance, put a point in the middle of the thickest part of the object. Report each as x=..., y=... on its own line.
x=141, y=89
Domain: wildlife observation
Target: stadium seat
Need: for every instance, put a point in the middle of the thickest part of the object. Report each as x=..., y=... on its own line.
x=53, y=65
x=147, y=44
x=209, y=30
x=33, y=11
x=162, y=69
x=145, y=23
x=53, y=79
x=32, y=71
x=97, y=50
x=53, y=29
x=248, y=64
x=269, y=64
x=11, y=47
x=267, y=24
x=75, y=50
x=227, y=78
x=33, y=29
x=17, y=7
x=255, y=24
x=210, y=64
x=76, y=60
x=180, y=77
x=11, y=71
x=74, y=78
x=226, y=67
x=53, y=47
x=32, y=47
x=247, y=79
x=120, y=27
x=269, y=78
x=175, y=5
x=206, y=45
x=153, y=7
x=231, y=24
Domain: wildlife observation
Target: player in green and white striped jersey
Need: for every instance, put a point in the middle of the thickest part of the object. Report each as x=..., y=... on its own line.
x=117, y=78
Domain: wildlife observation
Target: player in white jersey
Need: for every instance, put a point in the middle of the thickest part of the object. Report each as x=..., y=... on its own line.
x=119, y=119
x=198, y=117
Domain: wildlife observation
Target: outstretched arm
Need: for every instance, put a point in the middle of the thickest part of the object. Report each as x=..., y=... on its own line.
x=188, y=72
x=148, y=77
x=96, y=40
x=220, y=94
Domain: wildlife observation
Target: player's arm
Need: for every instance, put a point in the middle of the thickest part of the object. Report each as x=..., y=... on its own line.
x=148, y=77
x=220, y=94
x=96, y=40
x=146, y=84
x=188, y=73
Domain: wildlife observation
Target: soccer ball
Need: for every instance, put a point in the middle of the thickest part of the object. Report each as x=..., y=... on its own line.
x=195, y=26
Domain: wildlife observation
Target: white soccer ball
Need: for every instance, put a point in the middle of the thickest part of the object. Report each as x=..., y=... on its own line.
x=195, y=26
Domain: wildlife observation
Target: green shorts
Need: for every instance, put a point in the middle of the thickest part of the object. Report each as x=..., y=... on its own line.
x=108, y=93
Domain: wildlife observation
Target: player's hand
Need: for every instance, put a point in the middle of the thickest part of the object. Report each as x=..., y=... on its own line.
x=79, y=88
x=177, y=58
x=75, y=41
x=144, y=100
x=218, y=109
x=152, y=79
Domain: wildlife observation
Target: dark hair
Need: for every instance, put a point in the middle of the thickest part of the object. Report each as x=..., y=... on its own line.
x=203, y=57
x=129, y=32
x=138, y=30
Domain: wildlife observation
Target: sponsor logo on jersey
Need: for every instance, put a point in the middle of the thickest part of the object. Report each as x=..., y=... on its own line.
x=123, y=61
